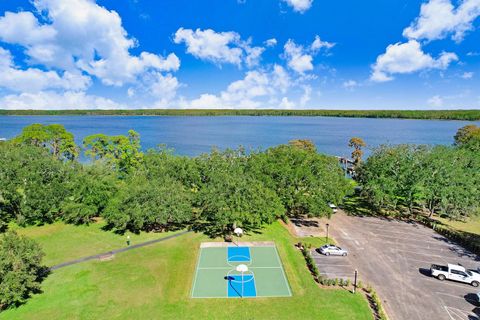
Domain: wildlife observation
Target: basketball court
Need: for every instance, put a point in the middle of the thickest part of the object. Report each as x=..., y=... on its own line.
x=239, y=270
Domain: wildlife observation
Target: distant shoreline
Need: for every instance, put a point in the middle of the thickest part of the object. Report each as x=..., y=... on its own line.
x=466, y=115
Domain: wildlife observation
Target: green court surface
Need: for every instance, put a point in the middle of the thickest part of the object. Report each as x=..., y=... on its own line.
x=216, y=275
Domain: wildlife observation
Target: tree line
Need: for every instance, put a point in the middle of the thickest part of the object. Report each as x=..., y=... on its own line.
x=409, y=179
x=41, y=181
x=471, y=115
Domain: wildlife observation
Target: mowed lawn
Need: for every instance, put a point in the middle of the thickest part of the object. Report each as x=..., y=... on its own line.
x=63, y=242
x=471, y=225
x=155, y=282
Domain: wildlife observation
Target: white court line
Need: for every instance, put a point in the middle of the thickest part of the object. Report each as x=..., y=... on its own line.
x=196, y=273
x=283, y=271
x=230, y=268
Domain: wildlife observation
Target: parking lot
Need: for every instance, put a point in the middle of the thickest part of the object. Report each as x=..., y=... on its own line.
x=395, y=258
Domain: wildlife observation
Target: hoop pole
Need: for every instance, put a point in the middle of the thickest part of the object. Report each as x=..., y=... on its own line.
x=242, y=284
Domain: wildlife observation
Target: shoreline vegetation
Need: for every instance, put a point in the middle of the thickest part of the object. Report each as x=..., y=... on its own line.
x=467, y=115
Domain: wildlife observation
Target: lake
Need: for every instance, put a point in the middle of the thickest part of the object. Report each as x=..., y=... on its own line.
x=194, y=135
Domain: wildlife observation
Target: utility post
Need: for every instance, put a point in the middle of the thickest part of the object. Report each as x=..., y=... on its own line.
x=326, y=239
x=355, y=281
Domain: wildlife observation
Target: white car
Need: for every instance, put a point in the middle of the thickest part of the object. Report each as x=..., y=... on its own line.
x=333, y=207
x=330, y=249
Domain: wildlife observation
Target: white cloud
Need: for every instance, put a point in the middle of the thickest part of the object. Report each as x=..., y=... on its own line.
x=299, y=58
x=318, y=44
x=350, y=84
x=258, y=89
x=439, y=19
x=307, y=94
x=271, y=42
x=210, y=45
x=81, y=35
x=435, y=101
x=253, y=55
x=286, y=103
x=54, y=100
x=164, y=87
x=219, y=47
x=23, y=27
x=255, y=90
x=467, y=75
x=34, y=80
x=299, y=5
x=402, y=58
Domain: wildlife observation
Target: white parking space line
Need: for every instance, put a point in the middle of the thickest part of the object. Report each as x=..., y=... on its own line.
x=460, y=297
x=427, y=263
x=448, y=283
x=406, y=239
x=419, y=253
x=457, y=314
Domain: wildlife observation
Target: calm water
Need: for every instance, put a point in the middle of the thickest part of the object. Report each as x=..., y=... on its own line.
x=194, y=135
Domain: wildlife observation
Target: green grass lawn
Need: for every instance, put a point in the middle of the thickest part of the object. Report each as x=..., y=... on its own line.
x=63, y=242
x=155, y=282
x=471, y=225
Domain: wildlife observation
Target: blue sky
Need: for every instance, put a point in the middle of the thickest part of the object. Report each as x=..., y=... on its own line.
x=293, y=54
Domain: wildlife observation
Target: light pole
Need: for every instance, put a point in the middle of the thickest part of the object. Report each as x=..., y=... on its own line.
x=326, y=239
x=355, y=281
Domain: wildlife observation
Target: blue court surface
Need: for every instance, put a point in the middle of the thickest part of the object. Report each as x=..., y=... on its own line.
x=236, y=290
x=238, y=254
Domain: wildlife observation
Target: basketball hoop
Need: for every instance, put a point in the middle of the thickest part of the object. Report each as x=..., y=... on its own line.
x=242, y=268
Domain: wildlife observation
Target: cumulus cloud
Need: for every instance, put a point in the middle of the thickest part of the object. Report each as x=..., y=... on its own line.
x=299, y=5
x=271, y=42
x=318, y=44
x=402, y=58
x=435, y=101
x=219, y=47
x=299, y=58
x=350, y=84
x=81, y=35
x=440, y=18
x=467, y=75
x=34, y=80
x=55, y=100
x=253, y=91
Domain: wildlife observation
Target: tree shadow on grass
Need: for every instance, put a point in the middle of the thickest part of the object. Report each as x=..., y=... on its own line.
x=213, y=231
x=154, y=227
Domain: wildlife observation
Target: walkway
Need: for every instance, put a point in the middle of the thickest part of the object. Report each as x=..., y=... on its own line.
x=100, y=255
